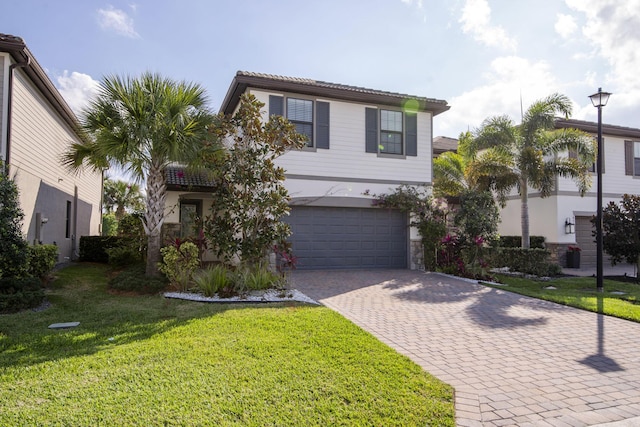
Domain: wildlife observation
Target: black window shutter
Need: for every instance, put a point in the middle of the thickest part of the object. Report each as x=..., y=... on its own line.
x=628, y=157
x=371, y=130
x=276, y=105
x=411, y=126
x=322, y=125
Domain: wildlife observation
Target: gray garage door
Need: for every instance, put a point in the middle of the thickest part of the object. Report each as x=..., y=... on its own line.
x=334, y=238
x=587, y=242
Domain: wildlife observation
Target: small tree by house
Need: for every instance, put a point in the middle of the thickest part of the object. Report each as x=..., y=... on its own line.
x=13, y=246
x=621, y=230
x=249, y=198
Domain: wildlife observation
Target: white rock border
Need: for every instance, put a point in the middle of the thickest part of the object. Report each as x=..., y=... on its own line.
x=270, y=295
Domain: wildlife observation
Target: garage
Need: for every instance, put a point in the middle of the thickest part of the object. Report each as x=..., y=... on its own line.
x=344, y=238
x=587, y=242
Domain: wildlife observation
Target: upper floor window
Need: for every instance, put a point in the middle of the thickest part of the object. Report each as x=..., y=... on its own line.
x=391, y=132
x=632, y=158
x=300, y=113
x=310, y=117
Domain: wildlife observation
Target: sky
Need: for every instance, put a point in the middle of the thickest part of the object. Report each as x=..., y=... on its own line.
x=484, y=57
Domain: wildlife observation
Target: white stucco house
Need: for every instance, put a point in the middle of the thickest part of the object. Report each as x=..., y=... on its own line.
x=564, y=218
x=359, y=139
x=36, y=127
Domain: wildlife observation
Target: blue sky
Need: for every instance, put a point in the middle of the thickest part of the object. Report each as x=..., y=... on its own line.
x=481, y=56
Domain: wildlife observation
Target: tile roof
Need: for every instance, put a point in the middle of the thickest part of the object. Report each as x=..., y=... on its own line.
x=592, y=127
x=245, y=79
x=178, y=178
x=444, y=143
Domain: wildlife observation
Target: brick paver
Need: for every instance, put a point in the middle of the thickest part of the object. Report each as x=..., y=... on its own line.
x=512, y=360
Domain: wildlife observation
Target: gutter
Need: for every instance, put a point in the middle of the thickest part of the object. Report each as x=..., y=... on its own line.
x=9, y=107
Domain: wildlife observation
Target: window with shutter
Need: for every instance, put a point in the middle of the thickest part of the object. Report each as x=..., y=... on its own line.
x=391, y=132
x=632, y=158
x=309, y=121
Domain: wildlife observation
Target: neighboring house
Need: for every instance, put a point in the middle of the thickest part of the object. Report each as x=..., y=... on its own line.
x=564, y=218
x=443, y=144
x=359, y=139
x=36, y=127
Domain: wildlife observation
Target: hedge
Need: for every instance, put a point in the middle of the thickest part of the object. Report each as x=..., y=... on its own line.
x=529, y=261
x=516, y=242
x=94, y=248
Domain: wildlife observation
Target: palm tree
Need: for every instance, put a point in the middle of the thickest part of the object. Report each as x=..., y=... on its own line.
x=450, y=171
x=142, y=125
x=531, y=155
x=121, y=195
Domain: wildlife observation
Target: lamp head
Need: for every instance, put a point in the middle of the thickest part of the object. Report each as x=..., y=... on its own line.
x=600, y=98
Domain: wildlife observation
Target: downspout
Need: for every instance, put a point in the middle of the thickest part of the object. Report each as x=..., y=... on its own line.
x=9, y=114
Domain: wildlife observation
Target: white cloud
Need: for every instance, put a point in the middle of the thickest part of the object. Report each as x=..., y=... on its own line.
x=476, y=20
x=77, y=89
x=613, y=29
x=565, y=25
x=118, y=21
x=508, y=79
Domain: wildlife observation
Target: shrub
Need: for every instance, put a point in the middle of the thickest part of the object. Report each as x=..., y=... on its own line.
x=528, y=261
x=94, y=248
x=13, y=246
x=20, y=293
x=180, y=261
x=260, y=277
x=213, y=280
x=109, y=225
x=516, y=242
x=121, y=256
x=133, y=279
x=42, y=259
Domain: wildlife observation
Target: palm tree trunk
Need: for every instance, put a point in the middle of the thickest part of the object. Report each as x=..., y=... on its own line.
x=154, y=216
x=524, y=213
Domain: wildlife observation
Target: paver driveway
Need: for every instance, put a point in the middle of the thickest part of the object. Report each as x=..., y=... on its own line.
x=512, y=360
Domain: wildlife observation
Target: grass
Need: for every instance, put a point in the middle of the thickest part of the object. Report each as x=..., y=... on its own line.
x=580, y=292
x=147, y=361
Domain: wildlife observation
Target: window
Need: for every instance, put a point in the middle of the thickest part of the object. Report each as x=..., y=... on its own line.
x=67, y=227
x=190, y=214
x=390, y=132
x=632, y=158
x=300, y=113
x=311, y=118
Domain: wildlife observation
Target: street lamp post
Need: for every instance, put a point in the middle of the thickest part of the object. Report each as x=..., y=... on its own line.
x=599, y=100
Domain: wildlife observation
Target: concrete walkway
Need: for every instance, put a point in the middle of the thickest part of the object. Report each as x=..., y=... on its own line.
x=512, y=360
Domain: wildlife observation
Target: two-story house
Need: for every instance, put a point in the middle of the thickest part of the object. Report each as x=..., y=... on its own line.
x=36, y=127
x=359, y=140
x=564, y=218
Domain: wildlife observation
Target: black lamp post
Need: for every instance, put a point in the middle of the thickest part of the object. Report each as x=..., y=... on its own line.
x=599, y=100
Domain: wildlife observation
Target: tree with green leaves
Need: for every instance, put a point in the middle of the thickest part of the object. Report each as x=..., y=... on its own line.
x=142, y=125
x=621, y=230
x=530, y=155
x=13, y=246
x=249, y=198
x=450, y=170
x=121, y=195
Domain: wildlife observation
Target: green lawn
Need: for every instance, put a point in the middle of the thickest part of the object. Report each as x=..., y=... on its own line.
x=147, y=361
x=581, y=292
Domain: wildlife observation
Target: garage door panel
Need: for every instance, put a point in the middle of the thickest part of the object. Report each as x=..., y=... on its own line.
x=325, y=238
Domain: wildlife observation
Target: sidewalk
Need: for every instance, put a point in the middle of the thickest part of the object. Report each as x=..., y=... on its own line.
x=607, y=270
